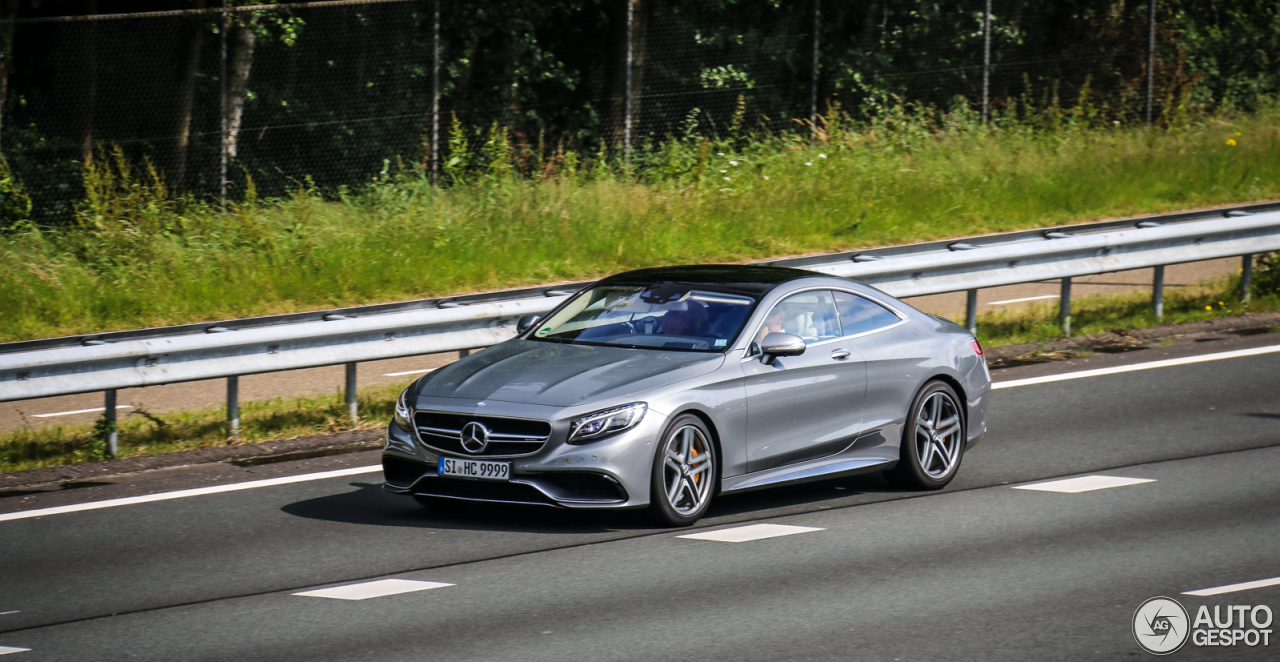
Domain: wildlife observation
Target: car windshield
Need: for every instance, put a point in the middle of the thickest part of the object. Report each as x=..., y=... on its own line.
x=658, y=316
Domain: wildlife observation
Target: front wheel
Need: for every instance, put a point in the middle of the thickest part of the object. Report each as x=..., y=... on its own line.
x=932, y=440
x=684, y=473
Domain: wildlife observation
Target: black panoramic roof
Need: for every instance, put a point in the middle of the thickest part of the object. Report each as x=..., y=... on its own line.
x=746, y=279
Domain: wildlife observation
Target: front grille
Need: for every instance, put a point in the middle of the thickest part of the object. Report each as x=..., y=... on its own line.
x=507, y=436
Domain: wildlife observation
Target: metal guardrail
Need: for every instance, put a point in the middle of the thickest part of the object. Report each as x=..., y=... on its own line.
x=108, y=362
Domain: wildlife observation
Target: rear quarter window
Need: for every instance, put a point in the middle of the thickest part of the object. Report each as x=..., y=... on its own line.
x=859, y=315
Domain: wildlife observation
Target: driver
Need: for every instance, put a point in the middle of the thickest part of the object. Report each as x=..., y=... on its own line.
x=772, y=324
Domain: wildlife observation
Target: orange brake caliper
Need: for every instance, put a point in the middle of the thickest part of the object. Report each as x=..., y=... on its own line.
x=693, y=452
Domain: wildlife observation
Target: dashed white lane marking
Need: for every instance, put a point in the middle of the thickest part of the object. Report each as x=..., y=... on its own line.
x=1137, y=366
x=5, y=650
x=375, y=589
x=1232, y=588
x=1083, y=484
x=751, y=532
x=199, y=491
x=6, y=613
x=79, y=411
x=1001, y=303
x=409, y=372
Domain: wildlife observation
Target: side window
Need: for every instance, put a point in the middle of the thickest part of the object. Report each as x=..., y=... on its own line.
x=859, y=315
x=810, y=315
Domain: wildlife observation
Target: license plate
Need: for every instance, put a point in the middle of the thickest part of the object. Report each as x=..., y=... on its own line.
x=474, y=469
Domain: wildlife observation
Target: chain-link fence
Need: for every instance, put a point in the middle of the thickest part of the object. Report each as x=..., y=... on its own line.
x=332, y=94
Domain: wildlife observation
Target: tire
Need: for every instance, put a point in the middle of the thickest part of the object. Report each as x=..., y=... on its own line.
x=684, y=465
x=931, y=449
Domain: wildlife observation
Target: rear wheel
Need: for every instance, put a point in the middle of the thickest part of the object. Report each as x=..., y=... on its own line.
x=932, y=440
x=684, y=473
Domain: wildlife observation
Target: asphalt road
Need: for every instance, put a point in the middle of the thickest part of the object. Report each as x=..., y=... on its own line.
x=85, y=408
x=977, y=571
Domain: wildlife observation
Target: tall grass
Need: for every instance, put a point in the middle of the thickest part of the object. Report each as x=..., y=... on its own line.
x=141, y=256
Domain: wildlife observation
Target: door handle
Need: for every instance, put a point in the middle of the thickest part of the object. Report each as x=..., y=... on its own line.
x=839, y=354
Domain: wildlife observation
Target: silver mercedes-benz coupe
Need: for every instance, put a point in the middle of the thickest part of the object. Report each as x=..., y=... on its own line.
x=661, y=388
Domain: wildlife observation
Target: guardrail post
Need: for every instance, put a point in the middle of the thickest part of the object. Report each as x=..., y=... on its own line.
x=351, y=394
x=1246, y=277
x=1157, y=292
x=113, y=434
x=971, y=311
x=233, y=408
x=1064, y=307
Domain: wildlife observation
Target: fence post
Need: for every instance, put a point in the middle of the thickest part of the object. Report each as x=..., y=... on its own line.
x=971, y=311
x=1064, y=307
x=986, y=63
x=1246, y=277
x=350, y=390
x=233, y=408
x=435, y=95
x=626, y=101
x=813, y=83
x=113, y=433
x=1151, y=59
x=1157, y=292
x=222, y=94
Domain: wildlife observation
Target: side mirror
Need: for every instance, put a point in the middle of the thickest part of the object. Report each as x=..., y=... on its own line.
x=781, y=344
x=524, y=323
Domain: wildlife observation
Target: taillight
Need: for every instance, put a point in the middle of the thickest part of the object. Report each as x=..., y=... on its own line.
x=977, y=347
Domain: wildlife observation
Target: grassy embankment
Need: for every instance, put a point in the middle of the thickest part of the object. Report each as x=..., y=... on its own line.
x=140, y=257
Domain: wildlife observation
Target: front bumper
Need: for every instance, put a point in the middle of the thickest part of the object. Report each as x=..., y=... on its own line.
x=609, y=474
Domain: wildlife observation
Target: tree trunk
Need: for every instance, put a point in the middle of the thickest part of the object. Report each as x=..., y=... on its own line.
x=188, y=71
x=239, y=60
x=89, y=101
x=616, y=116
x=8, y=12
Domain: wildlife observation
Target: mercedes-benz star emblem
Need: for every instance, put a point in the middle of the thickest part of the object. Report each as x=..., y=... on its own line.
x=475, y=437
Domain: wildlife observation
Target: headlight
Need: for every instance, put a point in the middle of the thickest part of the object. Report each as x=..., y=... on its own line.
x=402, y=414
x=600, y=424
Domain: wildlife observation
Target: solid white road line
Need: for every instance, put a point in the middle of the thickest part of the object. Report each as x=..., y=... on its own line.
x=376, y=589
x=1001, y=303
x=5, y=650
x=346, y=472
x=1235, y=354
x=409, y=372
x=752, y=532
x=199, y=491
x=1083, y=484
x=1232, y=588
x=79, y=411
x=6, y=613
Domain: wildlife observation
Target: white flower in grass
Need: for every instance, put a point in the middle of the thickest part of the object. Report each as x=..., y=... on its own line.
x=719, y=153
x=808, y=162
x=727, y=179
x=733, y=163
x=822, y=156
x=766, y=178
x=724, y=171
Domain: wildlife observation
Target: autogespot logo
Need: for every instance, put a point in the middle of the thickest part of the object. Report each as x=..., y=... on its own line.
x=1161, y=626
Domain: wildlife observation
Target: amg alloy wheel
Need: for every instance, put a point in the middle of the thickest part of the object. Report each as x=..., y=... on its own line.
x=684, y=473
x=932, y=440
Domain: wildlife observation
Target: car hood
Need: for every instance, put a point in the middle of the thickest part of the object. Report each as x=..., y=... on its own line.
x=561, y=375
